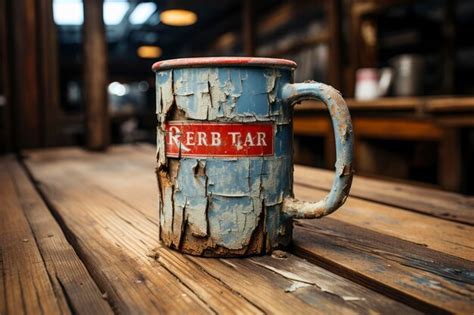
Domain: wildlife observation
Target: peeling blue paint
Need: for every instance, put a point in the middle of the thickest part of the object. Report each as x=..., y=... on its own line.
x=235, y=206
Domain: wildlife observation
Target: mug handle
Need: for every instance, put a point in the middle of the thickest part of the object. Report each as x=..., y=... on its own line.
x=342, y=126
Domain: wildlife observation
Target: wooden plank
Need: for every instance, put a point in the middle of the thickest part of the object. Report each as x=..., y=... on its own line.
x=382, y=104
x=311, y=126
x=459, y=120
x=396, y=128
x=278, y=285
x=117, y=242
x=118, y=259
x=67, y=272
x=26, y=285
x=95, y=76
x=251, y=288
x=446, y=205
x=386, y=103
x=450, y=104
x=431, y=281
x=448, y=237
x=439, y=104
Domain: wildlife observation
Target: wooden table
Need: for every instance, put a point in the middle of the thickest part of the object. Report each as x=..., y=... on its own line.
x=79, y=234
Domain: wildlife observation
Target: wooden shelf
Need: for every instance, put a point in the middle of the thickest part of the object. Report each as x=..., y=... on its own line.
x=430, y=104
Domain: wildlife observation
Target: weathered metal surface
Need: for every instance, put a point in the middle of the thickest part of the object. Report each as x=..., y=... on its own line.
x=342, y=126
x=223, y=205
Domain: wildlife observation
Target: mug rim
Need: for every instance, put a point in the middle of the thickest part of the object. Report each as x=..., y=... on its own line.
x=223, y=62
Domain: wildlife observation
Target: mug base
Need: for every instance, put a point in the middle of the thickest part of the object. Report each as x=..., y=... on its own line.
x=220, y=252
x=258, y=246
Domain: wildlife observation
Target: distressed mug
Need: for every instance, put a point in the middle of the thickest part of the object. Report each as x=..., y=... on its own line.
x=224, y=154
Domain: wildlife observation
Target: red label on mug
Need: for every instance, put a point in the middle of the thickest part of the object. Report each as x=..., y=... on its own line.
x=218, y=139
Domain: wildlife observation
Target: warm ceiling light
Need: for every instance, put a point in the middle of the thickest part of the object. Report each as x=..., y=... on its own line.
x=177, y=17
x=149, y=51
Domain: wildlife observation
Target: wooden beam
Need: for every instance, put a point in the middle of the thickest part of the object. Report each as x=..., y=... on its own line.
x=5, y=105
x=248, y=27
x=450, y=160
x=48, y=80
x=396, y=128
x=24, y=76
x=333, y=14
x=95, y=76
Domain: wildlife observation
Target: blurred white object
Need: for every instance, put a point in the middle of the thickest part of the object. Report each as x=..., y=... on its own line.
x=409, y=73
x=372, y=83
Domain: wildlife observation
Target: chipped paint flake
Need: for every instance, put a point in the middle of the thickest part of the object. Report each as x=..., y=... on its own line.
x=296, y=285
x=287, y=274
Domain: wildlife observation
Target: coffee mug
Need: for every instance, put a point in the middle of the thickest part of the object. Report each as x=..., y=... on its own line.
x=225, y=154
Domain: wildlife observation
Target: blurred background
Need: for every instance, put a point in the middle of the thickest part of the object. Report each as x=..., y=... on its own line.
x=78, y=72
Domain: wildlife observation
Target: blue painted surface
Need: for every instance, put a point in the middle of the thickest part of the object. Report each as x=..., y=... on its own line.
x=220, y=202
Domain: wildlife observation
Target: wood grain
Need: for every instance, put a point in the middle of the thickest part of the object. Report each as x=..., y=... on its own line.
x=26, y=285
x=109, y=217
x=424, y=278
x=441, y=235
x=278, y=285
x=66, y=271
x=114, y=239
x=446, y=205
